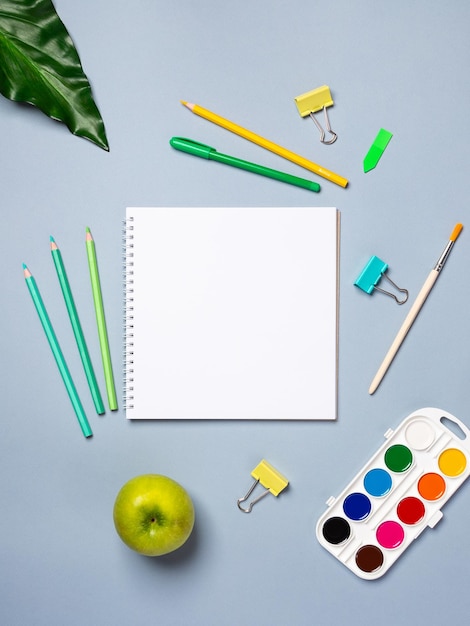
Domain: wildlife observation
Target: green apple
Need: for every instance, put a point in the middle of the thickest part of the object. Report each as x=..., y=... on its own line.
x=153, y=514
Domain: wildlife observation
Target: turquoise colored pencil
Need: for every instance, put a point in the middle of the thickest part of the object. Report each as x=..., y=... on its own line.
x=57, y=352
x=101, y=321
x=77, y=327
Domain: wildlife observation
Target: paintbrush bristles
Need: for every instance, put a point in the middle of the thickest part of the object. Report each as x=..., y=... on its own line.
x=456, y=232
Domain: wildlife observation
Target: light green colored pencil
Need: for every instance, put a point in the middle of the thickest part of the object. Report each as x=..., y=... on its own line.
x=76, y=326
x=101, y=321
x=57, y=352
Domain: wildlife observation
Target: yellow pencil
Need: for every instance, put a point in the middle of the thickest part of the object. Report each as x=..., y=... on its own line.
x=265, y=143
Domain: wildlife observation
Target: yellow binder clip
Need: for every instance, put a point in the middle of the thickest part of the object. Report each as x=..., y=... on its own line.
x=273, y=481
x=313, y=101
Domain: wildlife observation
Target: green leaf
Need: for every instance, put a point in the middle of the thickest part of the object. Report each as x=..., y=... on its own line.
x=40, y=65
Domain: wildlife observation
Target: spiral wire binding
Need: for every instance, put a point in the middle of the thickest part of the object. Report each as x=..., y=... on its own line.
x=128, y=309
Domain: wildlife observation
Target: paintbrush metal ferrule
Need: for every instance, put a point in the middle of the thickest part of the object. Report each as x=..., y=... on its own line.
x=453, y=238
x=443, y=258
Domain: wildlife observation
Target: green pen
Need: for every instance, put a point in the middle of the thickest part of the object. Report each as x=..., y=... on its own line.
x=206, y=152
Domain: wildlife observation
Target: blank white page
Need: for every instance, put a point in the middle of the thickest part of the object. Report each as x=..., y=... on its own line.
x=232, y=313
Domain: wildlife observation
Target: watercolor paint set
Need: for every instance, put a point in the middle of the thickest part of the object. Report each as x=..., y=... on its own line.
x=398, y=493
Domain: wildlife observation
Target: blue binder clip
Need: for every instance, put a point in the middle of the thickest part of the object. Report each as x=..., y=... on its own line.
x=371, y=276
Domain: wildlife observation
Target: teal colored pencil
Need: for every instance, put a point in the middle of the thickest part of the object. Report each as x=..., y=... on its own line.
x=57, y=352
x=77, y=327
x=101, y=321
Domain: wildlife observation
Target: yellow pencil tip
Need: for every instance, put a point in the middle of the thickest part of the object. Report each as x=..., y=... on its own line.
x=183, y=102
x=456, y=232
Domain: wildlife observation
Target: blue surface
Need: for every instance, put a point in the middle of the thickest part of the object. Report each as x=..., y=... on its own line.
x=400, y=66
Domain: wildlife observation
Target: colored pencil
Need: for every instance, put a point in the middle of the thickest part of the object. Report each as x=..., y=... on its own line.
x=415, y=309
x=101, y=321
x=76, y=326
x=57, y=352
x=266, y=143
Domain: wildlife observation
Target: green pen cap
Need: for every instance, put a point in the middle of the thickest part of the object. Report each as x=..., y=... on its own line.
x=191, y=147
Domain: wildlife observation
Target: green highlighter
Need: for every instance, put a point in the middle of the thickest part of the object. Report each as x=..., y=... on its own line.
x=206, y=152
x=377, y=149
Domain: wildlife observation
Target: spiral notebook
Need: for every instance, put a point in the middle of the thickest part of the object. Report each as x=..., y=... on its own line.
x=231, y=313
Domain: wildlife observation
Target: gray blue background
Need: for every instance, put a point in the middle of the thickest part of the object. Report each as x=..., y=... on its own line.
x=402, y=66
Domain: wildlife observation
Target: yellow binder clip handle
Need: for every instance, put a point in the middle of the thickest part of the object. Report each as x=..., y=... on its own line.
x=268, y=476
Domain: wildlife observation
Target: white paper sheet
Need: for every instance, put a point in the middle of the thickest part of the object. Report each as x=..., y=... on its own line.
x=233, y=313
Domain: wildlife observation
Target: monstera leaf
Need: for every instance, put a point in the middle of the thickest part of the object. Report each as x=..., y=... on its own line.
x=40, y=65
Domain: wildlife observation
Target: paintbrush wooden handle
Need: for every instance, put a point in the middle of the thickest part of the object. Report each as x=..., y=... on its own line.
x=405, y=327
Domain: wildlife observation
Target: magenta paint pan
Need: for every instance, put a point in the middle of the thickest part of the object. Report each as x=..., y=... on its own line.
x=398, y=493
